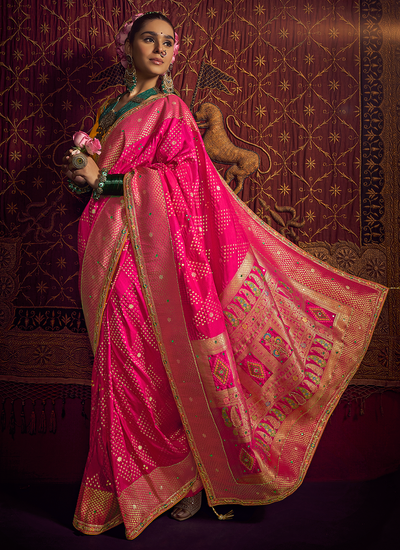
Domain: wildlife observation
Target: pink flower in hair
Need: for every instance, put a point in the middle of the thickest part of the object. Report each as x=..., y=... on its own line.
x=121, y=39
x=176, y=48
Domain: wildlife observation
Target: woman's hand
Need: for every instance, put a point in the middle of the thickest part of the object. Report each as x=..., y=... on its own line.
x=90, y=174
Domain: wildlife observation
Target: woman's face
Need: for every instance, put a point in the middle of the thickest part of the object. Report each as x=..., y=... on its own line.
x=152, y=48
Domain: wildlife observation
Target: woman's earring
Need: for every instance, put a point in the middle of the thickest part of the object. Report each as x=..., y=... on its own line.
x=130, y=74
x=167, y=84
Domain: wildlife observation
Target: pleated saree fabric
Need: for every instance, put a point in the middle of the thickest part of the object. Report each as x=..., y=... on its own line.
x=221, y=348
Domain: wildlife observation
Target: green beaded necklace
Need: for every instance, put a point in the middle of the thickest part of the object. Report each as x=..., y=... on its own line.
x=109, y=116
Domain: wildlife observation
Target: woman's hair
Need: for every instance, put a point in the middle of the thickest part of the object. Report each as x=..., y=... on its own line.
x=140, y=21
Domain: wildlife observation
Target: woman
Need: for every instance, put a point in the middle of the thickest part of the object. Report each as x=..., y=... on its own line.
x=220, y=348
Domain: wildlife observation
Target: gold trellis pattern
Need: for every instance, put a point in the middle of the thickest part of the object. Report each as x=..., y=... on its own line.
x=297, y=66
x=293, y=94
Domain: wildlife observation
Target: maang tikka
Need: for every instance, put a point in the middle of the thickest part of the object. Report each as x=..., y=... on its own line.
x=130, y=74
x=167, y=84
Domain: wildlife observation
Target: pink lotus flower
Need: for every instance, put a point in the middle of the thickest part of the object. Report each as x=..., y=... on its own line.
x=86, y=144
x=80, y=139
x=93, y=147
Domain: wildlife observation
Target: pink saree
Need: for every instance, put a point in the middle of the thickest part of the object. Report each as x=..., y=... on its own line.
x=221, y=348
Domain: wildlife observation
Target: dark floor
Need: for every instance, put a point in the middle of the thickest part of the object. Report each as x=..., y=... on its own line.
x=339, y=515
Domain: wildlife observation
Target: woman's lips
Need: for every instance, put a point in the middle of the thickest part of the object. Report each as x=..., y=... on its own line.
x=157, y=61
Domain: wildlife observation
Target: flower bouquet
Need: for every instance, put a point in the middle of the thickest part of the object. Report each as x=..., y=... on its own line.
x=85, y=144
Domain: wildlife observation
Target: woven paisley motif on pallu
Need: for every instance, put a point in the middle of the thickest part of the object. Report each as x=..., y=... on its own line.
x=258, y=338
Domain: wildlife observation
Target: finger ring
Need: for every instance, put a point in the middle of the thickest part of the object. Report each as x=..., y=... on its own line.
x=79, y=161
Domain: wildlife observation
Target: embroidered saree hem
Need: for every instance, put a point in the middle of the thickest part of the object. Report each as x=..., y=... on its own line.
x=136, y=517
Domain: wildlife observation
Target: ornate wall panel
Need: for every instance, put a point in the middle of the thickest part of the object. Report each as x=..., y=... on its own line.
x=310, y=86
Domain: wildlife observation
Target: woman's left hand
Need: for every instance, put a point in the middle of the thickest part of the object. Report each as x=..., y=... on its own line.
x=90, y=174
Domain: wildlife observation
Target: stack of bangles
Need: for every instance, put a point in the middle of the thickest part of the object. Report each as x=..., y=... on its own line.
x=112, y=184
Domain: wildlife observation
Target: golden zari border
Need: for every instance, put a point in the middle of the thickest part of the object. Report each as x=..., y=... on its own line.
x=161, y=289
x=101, y=257
x=99, y=263
x=137, y=505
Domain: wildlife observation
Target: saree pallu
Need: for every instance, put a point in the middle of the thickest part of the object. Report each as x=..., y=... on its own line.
x=221, y=348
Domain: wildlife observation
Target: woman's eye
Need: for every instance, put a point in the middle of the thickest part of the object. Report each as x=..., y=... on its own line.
x=150, y=39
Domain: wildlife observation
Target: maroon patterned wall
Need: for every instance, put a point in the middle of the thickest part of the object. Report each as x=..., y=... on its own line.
x=301, y=85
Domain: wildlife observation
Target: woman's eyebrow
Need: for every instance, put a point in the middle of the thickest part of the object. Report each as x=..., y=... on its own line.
x=156, y=34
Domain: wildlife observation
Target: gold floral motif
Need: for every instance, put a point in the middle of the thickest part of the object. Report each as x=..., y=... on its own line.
x=346, y=258
x=260, y=111
x=310, y=164
x=93, y=31
x=284, y=85
x=259, y=9
x=260, y=60
x=188, y=40
x=360, y=261
x=309, y=59
x=334, y=137
x=12, y=207
x=308, y=8
x=284, y=137
x=16, y=104
x=375, y=268
x=68, y=53
x=309, y=110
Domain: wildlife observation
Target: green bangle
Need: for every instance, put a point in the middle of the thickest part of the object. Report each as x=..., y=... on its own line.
x=112, y=184
x=114, y=188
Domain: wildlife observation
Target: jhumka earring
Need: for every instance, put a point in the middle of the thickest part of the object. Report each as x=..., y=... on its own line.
x=130, y=74
x=167, y=84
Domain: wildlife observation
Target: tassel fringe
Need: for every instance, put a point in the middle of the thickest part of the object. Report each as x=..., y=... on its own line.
x=3, y=417
x=222, y=517
x=23, y=419
x=32, y=422
x=85, y=416
x=53, y=420
x=12, y=420
x=43, y=426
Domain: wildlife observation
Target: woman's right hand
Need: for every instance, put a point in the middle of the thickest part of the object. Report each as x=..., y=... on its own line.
x=90, y=174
